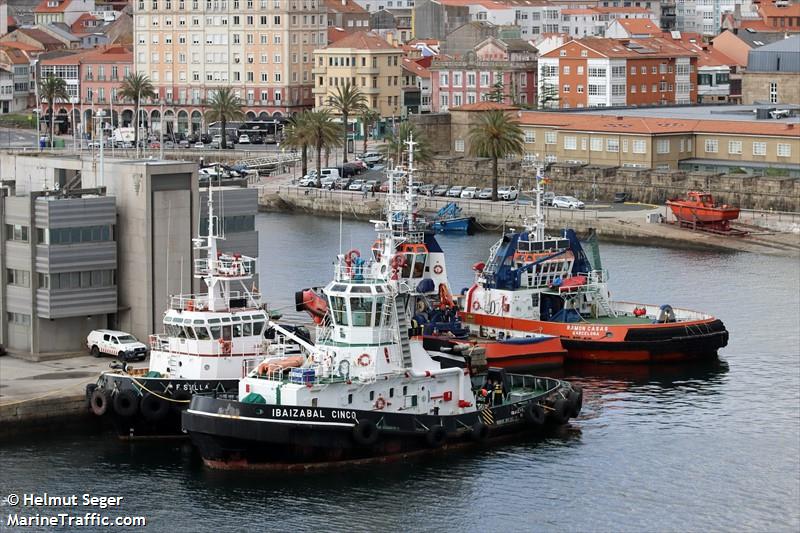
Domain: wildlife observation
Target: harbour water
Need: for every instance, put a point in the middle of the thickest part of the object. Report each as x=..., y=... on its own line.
x=714, y=446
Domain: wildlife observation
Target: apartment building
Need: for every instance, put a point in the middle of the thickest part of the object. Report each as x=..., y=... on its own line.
x=497, y=68
x=262, y=49
x=705, y=16
x=661, y=143
x=417, y=88
x=66, y=11
x=15, y=79
x=595, y=72
x=773, y=73
x=347, y=15
x=367, y=61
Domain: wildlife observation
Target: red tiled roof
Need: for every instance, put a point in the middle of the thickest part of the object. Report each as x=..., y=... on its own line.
x=651, y=125
x=349, y=6
x=771, y=10
x=485, y=106
x=41, y=36
x=651, y=47
x=334, y=34
x=16, y=56
x=21, y=46
x=362, y=40
x=415, y=68
x=80, y=25
x=579, y=11
x=640, y=26
x=44, y=8
x=488, y=4
x=110, y=55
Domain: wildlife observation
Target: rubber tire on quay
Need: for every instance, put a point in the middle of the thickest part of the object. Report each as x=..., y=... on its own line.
x=436, y=436
x=181, y=396
x=95, y=351
x=534, y=414
x=575, y=398
x=365, y=433
x=480, y=432
x=153, y=408
x=99, y=401
x=90, y=388
x=560, y=413
x=126, y=403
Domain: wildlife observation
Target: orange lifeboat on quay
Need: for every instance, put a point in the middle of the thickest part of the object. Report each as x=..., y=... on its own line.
x=699, y=209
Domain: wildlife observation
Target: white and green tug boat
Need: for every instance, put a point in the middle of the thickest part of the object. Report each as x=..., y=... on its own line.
x=365, y=390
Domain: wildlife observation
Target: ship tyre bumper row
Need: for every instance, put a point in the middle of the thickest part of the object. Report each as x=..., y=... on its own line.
x=575, y=399
x=480, y=432
x=126, y=403
x=534, y=414
x=99, y=400
x=153, y=408
x=365, y=433
x=436, y=436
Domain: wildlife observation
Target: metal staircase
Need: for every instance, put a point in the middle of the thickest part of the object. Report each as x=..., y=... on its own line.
x=493, y=263
x=402, y=329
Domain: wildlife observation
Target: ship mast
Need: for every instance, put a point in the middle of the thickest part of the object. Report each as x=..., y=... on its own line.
x=538, y=227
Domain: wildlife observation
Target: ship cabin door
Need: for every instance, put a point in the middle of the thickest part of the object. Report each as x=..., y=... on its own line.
x=416, y=257
x=357, y=306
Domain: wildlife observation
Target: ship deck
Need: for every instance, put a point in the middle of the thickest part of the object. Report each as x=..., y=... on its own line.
x=622, y=320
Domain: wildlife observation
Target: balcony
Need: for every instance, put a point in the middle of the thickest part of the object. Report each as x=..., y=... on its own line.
x=367, y=70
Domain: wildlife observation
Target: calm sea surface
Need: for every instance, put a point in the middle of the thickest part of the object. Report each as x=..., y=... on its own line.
x=711, y=447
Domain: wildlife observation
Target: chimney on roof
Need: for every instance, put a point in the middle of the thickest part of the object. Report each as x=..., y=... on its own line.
x=620, y=117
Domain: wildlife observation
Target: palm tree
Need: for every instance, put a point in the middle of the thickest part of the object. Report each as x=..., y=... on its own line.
x=347, y=99
x=298, y=136
x=224, y=105
x=496, y=135
x=368, y=118
x=323, y=134
x=134, y=87
x=396, y=146
x=53, y=90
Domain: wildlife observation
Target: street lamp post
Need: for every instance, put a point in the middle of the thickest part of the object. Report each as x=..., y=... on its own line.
x=161, y=134
x=38, y=110
x=100, y=115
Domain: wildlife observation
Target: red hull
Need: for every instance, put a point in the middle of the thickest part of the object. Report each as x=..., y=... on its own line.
x=688, y=212
x=548, y=353
x=619, y=343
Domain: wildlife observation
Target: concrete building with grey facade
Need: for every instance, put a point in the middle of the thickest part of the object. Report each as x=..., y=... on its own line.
x=773, y=73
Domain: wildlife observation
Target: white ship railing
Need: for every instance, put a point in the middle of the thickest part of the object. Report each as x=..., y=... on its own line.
x=225, y=266
x=200, y=302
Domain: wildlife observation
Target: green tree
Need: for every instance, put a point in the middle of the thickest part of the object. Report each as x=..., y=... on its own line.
x=135, y=87
x=298, y=136
x=323, y=134
x=369, y=117
x=347, y=100
x=53, y=90
x=496, y=135
x=397, y=149
x=497, y=94
x=224, y=105
x=548, y=92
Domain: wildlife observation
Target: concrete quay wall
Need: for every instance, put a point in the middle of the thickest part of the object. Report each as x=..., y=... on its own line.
x=642, y=185
x=44, y=414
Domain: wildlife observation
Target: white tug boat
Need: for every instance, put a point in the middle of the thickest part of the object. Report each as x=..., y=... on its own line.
x=209, y=341
x=366, y=391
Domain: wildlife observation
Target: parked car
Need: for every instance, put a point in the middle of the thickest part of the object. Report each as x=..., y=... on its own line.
x=350, y=169
x=440, y=190
x=169, y=145
x=342, y=184
x=384, y=186
x=507, y=193
x=117, y=343
x=328, y=182
x=376, y=166
x=454, y=191
x=567, y=202
x=469, y=192
x=620, y=197
x=370, y=185
x=415, y=185
x=484, y=194
x=257, y=139
x=426, y=190
x=307, y=181
x=199, y=145
x=371, y=157
x=356, y=185
x=547, y=198
x=244, y=139
x=184, y=143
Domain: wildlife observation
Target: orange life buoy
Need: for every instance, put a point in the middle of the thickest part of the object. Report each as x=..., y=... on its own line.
x=438, y=269
x=226, y=346
x=380, y=403
x=476, y=305
x=364, y=359
x=190, y=305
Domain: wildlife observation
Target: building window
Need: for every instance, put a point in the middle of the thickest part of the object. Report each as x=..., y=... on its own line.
x=570, y=142
x=662, y=146
x=565, y=89
x=459, y=145
x=16, y=232
x=759, y=148
x=734, y=147
x=773, y=92
x=712, y=146
x=530, y=137
x=19, y=278
x=18, y=319
x=596, y=144
x=612, y=145
x=80, y=234
x=566, y=70
x=639, y=146
x=784, y=150
x=550, y=137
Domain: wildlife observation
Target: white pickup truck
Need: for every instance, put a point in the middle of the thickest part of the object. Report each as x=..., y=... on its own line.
x=122, y=345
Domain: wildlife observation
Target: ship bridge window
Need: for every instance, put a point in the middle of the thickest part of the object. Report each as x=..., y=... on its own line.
x=362, y=311
x=201, y=330
x=379, y=303
x=214, y=325
x=247, y=327
x=338, y=310
x=237, y=326
x=361, y=289
x=414, y=266
x=339, y=288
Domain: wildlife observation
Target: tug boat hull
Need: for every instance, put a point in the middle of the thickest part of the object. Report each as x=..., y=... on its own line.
x=623, y=343
x=235, y=435
x=530, y=353
x=151, y=407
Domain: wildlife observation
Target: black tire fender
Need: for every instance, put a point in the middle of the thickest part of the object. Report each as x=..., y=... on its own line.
x=534, y=414
x=480, y=432
x=560, y=412
x=182, y=399
x=436, y=436
x=365, y=433
x=126, y=403
x=575, y=399
x=99, y=401
x=153, y=408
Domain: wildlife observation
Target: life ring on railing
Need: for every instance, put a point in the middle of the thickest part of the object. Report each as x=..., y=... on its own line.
x=225, y=345
x=380, y=403
x=397, y=262
x=476, y=305
x=364, y=359
x=189, y=305
x=438, y=269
